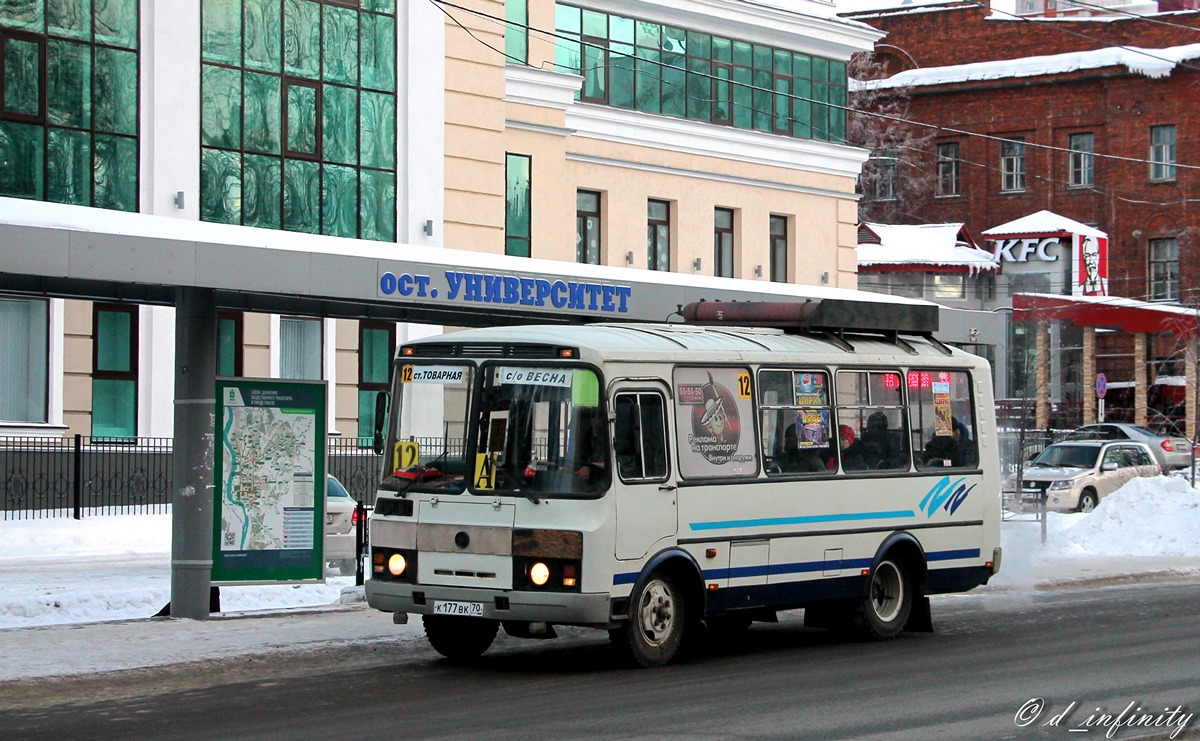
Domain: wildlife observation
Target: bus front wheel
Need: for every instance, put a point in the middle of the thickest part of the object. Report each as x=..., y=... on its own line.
x=654, y=633
x=460, y=638
x=889, y=600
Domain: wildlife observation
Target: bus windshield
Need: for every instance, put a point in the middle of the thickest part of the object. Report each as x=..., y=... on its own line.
x=541, y=430
x=428, y=447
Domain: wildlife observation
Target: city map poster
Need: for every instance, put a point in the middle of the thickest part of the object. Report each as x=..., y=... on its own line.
x=269, y=474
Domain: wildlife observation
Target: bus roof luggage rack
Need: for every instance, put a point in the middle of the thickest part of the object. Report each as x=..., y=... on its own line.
x=838, y=316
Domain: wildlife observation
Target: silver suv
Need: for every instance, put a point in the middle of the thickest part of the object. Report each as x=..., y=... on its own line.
x=1075, y=476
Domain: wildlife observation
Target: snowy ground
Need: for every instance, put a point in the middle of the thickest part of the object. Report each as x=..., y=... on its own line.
x=75, y=595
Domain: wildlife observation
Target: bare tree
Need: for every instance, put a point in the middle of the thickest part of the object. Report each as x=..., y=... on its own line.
x=899, y=177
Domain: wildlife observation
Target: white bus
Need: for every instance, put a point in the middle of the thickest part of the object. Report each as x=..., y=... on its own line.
x=660, y=480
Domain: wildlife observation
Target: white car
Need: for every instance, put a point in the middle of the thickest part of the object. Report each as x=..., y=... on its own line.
x=340, y=525
x=1075, y=476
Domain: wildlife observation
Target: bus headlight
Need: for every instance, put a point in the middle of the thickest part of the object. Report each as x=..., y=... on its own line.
x=391, y=564
x=539, y=574
x=396, y=564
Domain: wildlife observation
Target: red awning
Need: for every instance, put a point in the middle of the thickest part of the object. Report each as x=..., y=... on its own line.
x=1124, y=314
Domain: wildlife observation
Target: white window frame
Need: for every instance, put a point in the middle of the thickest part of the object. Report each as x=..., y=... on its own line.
x=948, y=183
x=1082, y=170
x=1012, y=165
x=1162, y=152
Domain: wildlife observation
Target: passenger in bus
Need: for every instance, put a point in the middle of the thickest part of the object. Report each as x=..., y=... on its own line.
x=945, y=450
x=591, y=453
x=626, y=435
x=850, y=450
x=879, y=448
x=795, y=460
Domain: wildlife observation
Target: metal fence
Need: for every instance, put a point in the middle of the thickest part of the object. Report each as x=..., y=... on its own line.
x=72, y=476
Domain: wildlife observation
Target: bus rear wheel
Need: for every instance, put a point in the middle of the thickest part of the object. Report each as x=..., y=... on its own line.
x=655, y=630
x=888, y=603
x=460, y=638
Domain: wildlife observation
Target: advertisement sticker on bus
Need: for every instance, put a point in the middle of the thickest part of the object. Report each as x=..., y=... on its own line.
x=717, y=442
x=813, y=427
x=810, y=390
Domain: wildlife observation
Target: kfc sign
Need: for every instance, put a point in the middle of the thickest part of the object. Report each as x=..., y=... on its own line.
x=1020, y=250
x=1091, y=265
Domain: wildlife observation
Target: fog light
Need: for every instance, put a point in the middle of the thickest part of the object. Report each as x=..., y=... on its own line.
x=396, y=564
x=539, y=574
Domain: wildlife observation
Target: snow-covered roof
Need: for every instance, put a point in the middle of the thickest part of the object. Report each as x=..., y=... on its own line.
x=1142, y=61
x=940, y=245
x=1043, y=223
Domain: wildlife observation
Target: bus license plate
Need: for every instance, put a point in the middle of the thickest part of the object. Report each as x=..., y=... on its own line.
x=466, y=609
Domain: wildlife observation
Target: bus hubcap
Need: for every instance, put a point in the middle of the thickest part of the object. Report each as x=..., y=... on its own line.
x=657, y=613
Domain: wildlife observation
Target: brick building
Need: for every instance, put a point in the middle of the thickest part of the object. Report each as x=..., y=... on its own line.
x=1089, y=129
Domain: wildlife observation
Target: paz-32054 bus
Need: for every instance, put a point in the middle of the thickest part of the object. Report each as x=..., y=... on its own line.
x=660, y=480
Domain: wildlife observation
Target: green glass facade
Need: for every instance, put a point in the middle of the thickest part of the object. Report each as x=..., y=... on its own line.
x=298, y=116
x=69, y=101
x=516, y=32
x=646, y=66
x=518, y=192
x=114, y=371
x=377, y=345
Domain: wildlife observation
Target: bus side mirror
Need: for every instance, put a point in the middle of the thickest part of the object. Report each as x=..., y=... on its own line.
x=381, y=409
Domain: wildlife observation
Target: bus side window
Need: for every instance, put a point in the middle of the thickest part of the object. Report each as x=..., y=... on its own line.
x=869, y=403
x=796, y=422
x=640, y=436
x=940, y=408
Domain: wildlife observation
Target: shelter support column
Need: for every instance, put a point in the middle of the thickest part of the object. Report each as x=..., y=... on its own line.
x=1190, y=390
x=1042, y=343
x=1089, y=375
x=191, y=470
x=1141, y=384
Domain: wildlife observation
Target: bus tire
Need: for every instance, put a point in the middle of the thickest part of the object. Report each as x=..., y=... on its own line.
x=888, y=602
x=657, y=620
x=460, y=638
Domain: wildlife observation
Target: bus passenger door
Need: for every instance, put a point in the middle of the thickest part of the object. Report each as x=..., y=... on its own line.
x=644, y=485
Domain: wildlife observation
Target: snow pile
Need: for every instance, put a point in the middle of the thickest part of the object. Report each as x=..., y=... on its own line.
x=103, y=534
x=1148, y=517
x=109, y=566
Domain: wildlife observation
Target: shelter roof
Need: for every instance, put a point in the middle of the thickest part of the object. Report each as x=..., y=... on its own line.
x=1125, y=314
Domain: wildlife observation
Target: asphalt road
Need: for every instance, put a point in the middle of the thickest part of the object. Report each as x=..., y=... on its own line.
x=1084, y=655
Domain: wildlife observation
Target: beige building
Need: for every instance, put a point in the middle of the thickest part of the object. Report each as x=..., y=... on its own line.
x=602, y=167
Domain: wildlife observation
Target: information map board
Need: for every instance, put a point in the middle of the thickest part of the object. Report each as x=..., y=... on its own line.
x=269, y=481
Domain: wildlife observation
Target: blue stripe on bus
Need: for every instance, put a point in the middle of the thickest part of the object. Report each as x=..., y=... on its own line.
x=952, y=555
x=803, y=567
x=804, y=520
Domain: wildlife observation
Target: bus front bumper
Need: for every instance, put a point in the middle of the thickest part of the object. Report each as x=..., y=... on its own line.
x=546, y=607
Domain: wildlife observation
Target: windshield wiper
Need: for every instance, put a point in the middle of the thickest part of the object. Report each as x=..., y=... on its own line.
x=403, y=491
x=528, y=496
